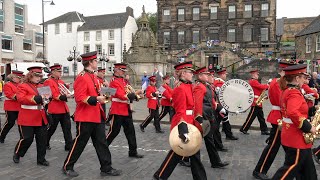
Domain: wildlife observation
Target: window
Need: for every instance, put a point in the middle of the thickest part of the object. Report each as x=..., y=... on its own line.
x=99, y=49
x=69, y=27
x=264, y=34
x=7, y=44
x=196, y=13
x=86, y=48
x=231, y=35
x=213, y=12
x=264, y=10
x=232, y=12
x=86, y=36
x=166, y=37
x=39, y=38
x=111, y=34
x=213, y=33
x=111, y=49
x=166, y=15
x=247, y=33
x=308, y=45
x=18, y=29
x=180, y=14
x=247, y=11
x=27, y=45
x=56, y=29
x=180, y=37
x=318, y=43
x=1, y=26
x=98, y=36
x=195, y=36
x=18, y=10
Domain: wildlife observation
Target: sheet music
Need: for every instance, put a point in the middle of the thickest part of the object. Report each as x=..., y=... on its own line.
x=161, y=89
x=45, y=91
x=107, y=90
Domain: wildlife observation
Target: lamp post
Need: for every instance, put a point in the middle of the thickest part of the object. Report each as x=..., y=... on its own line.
x=43, y=43
x=278, y=38
x=74, y=56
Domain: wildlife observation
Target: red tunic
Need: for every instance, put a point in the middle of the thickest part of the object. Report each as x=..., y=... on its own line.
x=218, y=82
x=274, y=97
x=85, y=86
x=30, y=117
x=101, y=81
x=166, y=96
x=257, y=89
x=11, y=104
x=295, y=108
x=119, y=105
x=308, y=90
x=56, y=106
x=182, y=102
x=152, y=101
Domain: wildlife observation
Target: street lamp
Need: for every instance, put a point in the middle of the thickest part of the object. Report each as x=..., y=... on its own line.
x=74, y=56
x=43, y=44
x=103, y=58
x=278, y=38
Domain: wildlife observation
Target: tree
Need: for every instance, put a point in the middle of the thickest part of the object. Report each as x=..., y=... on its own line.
x=153, y=21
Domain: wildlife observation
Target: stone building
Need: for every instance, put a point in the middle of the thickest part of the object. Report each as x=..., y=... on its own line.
x=144, y=53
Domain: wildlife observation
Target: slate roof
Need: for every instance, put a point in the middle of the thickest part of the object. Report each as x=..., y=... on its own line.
x=66, y=18
x=313, y=27
x=107, y=21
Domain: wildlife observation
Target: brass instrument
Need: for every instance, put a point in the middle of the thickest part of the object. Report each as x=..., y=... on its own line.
x=64, y=90
x=129, y=89
x=263, y=96
x=310, y=137
x=279, y=124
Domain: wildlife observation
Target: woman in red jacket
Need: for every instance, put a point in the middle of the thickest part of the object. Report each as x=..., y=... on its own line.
x=32, y=118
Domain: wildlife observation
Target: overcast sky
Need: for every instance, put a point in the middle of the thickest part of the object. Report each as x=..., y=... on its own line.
x=285, y=8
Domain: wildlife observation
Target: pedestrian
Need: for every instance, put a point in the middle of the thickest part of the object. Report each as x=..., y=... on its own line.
x=90, y=119
x=145, y=79
x=11, y=105
x=120, y=111
x=256, y=109
x=58, y=108
x=315, y=83
x=153, y=105
x=183, y=103
x=298, y=159
x=166, y=99
x=159, y=76
x=32, y=119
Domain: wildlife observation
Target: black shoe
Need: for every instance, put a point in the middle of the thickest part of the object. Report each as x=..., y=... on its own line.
x=222, y=149
x=48, y=147
x=232, y=138
x=184, y=163
x=258, y=175
x=112, y=172
x=16, y=158
x=141, y=128
x=2, y=141
x=265, y=133
x=159, y=131
x=70, y=173
x=43, y=163
x=220, y=165
x=244, y=132
x=136, y=155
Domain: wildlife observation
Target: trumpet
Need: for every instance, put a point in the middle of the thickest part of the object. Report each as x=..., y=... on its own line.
x=64, y=90
x=129, y=89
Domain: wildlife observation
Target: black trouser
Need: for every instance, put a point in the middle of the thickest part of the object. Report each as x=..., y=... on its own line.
x=270, y=151
x=211, y=148
x=298, y=163
x=153, y=114
x=65, y=122
x=255, y=111
x=11, y=116
x=171, y=161
x=165, y=110
x=27, y=134
x=96, y=131
x=127, y=123
x=215, y=127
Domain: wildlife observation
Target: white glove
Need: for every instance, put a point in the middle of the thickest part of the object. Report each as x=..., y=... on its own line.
x=223, y=111
x=187, y=137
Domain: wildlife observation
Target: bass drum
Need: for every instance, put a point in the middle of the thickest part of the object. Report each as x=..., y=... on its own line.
x=236, y=95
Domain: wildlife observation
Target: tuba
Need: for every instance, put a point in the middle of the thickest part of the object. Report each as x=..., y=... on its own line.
x=263, y=96
x=309, y=137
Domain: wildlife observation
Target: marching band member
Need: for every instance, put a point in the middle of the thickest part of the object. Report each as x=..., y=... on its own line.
x=32, y=120
x=120, y=112
x=102, y=83
x=166, y=100
x=310, y=95
x=11, y=105
x=256, y=110
x=58, y=108
x=153, y=104
x=274, y=141
x=294, y=109
x=90, y=119
x=204, y=106
x=183, y=104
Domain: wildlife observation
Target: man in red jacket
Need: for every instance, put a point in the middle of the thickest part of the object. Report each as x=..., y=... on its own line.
x=11, y=105
x=90, y=119
x=58, y=108
x=153, y=105
x=120, y=112
x=256, y=110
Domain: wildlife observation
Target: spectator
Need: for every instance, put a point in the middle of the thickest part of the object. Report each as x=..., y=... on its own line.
x=1, y=87
x=145, y=78
x=315, y=83
x=159, y=77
